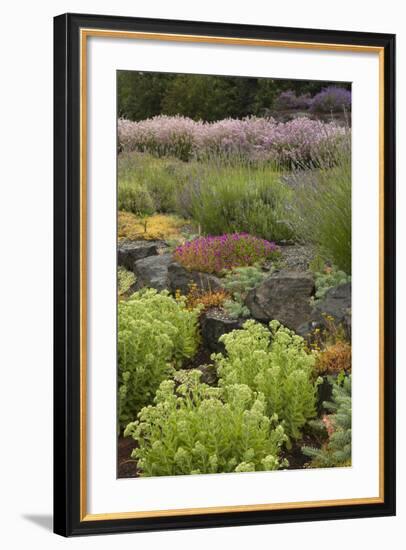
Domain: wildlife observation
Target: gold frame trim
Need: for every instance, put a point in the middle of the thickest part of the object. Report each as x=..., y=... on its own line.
x=84, y=34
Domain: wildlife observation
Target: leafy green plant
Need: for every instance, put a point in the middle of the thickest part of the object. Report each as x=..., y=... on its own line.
x=239, y=281
x=337, y=450
x=327, y=279
x=275, y=363
x=196, y=429
x=155, y=334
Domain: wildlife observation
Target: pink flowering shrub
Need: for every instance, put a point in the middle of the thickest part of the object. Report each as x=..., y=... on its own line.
x=296, y=141
x=214, y=254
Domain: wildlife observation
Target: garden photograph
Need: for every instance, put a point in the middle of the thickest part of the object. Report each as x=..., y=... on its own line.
x=233, y=274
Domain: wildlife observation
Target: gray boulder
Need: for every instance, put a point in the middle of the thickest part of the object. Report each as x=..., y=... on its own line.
x=152, y=272
x=336, y=304
x=131, y=251
x=284, y=296
x=179, y=278
x=213, y=325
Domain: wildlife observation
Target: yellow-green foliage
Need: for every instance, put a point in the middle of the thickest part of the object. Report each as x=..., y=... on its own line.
x=125, y=280
x=197, y=429
x=276, y=364
x=155, y=334
x=158, y=226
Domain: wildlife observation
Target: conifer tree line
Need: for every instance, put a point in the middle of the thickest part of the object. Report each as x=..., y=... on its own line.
x=142, y=95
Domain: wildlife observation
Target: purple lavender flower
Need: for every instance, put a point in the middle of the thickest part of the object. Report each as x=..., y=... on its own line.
x=331, y=100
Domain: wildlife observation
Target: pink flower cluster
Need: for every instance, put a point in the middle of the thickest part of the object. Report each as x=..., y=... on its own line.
x=300, y=139
x=214, y=254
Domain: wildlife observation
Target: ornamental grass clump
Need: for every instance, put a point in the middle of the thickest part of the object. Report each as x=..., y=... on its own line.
x=321, y=208
x=229, y=198
x=196, y=429
x=156, y=333
x=276, y=363
x=215, y=254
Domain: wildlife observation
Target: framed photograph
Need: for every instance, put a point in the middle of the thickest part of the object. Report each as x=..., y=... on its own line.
x=224, y=274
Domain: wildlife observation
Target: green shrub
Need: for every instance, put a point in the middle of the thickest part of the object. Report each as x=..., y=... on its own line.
x=337, y=450
x=163, y=178
x=239, y=281
x=134, y=197
x=196, y=429
x=155, y=334
x=323, y=209
x=276, y=364
x=231, y=199
x=327, y=279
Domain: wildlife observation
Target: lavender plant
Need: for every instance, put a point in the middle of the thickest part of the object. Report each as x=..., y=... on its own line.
x=332, y=99
x=253, y=138
x=288, y=99
x=235, y=198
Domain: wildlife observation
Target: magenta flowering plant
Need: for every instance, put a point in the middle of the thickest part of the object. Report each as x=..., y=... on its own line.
x=215, y=254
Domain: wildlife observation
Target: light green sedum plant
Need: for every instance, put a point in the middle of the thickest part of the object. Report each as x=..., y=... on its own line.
x=196, y=429
x=155, y=334
x=276, y=364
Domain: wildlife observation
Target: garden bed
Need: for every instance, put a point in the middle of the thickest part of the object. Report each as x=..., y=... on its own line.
x=234, y=312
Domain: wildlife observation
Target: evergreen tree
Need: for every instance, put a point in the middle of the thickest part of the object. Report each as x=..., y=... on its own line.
x=337, y=450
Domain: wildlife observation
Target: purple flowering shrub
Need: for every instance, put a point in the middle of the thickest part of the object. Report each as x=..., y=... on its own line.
x=331, y=100
x=289, y=100
x=214, y=254
x=252, y=138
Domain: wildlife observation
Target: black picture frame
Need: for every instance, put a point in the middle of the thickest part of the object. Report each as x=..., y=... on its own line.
x=67, y=351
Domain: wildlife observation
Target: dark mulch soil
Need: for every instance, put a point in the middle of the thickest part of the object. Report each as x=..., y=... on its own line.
x=126, y=466
x=202, y=357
